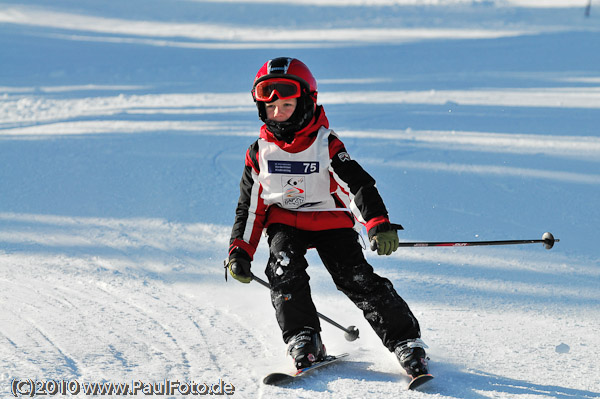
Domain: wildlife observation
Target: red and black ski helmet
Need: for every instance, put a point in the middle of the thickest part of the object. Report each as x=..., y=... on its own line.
x=289, y=68
x=282, y=69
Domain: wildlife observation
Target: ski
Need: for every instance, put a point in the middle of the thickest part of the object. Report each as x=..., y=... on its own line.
x=279, y=378
x=419, y=380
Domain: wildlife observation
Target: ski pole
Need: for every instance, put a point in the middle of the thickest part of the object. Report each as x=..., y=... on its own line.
x=351, y=333
x=547, y=239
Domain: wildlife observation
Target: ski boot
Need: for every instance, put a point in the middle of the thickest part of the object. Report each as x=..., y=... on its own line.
x=306, y=348
x=412, y=357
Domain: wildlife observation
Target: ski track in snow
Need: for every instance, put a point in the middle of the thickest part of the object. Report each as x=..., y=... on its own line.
x=122, y=134
x=67, y=322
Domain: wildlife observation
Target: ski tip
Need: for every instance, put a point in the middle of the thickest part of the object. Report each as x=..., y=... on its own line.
x=420, y=380
x=277, y=379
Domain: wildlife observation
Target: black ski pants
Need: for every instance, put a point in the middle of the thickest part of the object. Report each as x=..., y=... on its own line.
x=342, y=255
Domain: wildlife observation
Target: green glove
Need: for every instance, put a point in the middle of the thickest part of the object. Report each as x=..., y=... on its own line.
x=239, y=269
x=386, y=241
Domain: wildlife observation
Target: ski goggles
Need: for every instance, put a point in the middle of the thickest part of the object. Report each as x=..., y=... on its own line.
x=283, y=88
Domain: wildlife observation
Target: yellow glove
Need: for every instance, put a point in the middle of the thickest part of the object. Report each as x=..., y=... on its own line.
x=239, y=269
x=386, y=242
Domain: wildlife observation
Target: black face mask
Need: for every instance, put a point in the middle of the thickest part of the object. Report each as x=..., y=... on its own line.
x=286, y=130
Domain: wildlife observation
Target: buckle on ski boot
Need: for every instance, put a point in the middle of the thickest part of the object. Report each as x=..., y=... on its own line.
x=306, y=348
x=412, y=357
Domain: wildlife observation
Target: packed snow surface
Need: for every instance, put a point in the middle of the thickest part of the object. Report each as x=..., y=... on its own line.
x=123, y=128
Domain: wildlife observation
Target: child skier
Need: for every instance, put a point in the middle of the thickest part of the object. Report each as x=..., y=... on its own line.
x=300, y=184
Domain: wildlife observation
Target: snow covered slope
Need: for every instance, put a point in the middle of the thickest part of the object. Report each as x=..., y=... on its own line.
x=123, y=127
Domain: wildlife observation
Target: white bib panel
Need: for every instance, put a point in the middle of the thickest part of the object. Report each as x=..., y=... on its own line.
x=296, y=181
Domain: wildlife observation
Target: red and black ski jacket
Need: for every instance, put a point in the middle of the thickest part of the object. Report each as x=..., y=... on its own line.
x=310, y=183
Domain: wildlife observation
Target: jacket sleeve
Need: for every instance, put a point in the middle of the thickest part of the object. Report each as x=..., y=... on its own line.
x=365, y=201
x=251, y=210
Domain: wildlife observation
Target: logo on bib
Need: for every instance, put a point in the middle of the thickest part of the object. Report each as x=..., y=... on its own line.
x=294, y=191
